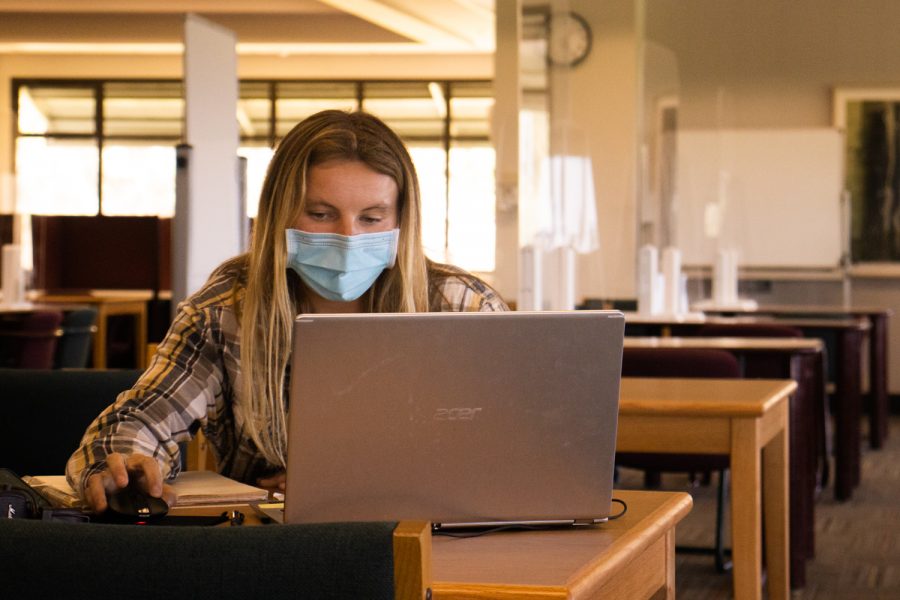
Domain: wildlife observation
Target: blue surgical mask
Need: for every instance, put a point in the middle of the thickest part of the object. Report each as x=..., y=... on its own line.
x=339, y=267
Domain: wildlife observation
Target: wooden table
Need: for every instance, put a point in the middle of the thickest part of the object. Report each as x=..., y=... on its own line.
x=800, y=359
x=878, y=319
x=109, y=303
x=632, y=557
x=847, y=353
x=743, y=418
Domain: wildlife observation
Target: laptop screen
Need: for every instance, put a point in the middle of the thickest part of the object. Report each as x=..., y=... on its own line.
x=455, y=418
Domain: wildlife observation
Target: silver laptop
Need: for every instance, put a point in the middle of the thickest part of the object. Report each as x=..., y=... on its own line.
x=461, y=419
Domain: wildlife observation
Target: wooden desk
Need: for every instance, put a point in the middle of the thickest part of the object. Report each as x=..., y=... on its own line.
x=109, y=303
x=738, y=417
x=25, y=307
x=847, y=355
x=632, y=557
x=800, y=359
x=878, y=319
x=30, y=307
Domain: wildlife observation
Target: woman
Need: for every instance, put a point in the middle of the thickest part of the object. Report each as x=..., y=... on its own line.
x=338, y=230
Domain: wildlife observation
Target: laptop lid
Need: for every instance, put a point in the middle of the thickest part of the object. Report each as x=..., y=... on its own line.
x=454, y=418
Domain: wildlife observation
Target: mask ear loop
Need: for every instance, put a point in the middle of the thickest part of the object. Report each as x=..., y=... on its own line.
x=395, y=246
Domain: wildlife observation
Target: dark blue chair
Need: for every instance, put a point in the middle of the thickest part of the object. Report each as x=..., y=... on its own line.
x=46, y=411
x=378, y=561
x=73, y=350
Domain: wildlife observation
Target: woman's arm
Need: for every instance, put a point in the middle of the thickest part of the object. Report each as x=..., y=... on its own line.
x=166, y=406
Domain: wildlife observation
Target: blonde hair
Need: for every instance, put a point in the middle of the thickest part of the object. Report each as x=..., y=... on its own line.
x=273, y=296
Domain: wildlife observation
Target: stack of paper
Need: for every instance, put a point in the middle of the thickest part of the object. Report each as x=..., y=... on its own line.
x=56, y=489
x=208, y=487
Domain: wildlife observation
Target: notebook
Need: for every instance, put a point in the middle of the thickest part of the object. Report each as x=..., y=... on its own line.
x=461, y=419
x=194, y=488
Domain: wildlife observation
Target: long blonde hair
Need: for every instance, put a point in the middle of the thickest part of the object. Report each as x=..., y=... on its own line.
x=273, y=297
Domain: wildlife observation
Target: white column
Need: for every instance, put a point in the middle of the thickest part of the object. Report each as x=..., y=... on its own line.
x=505, y=134
x=671, y=270
x=648, y=272
x=206, y=227
x=531, y=261
x=13, y=276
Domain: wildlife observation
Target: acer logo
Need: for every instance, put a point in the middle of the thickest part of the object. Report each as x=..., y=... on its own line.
x=456, y=414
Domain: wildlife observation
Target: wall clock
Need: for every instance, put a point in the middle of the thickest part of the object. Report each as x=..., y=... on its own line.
x=569, y=39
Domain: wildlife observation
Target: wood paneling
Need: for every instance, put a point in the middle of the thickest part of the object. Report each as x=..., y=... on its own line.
x=101, y=253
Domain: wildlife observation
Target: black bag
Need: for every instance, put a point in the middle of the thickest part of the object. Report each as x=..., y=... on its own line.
x=18, y=500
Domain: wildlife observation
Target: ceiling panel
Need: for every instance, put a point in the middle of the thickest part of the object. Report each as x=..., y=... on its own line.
x=433, y=26
x=169, y=28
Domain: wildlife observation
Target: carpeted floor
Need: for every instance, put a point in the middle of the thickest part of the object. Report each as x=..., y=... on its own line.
x=857, y=542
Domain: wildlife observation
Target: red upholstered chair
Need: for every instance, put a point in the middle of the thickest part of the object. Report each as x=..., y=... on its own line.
x=682, y=362
x=748, y=330
x=758, y=367
x=28, y=340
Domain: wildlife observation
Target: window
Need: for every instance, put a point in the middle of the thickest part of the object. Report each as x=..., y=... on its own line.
x=58, y=136
x=108, y=145
x=111, y=147
x=870, y=120
x=72, y=188
x=138, y=179
x=418, y=117
x=471, y=225
x=294, y=101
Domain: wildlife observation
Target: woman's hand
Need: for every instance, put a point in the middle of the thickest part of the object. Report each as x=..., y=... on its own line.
x=122, y=470
x=274, y=483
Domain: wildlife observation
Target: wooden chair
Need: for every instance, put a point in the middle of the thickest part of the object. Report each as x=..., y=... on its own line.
x=379, y=561
x=46, y=411
x=758, y=367
x=683, y=362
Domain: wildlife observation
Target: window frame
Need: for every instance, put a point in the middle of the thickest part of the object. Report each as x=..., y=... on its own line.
x=444, y=139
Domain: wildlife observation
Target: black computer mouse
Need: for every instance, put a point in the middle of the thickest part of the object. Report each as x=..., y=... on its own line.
x=132, y=505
